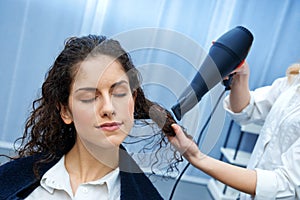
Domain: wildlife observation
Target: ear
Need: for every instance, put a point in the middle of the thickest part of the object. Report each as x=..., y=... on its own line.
x=66, y=115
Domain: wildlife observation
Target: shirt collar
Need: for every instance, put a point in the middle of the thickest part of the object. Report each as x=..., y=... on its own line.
x=57, y=177
x=112, y=180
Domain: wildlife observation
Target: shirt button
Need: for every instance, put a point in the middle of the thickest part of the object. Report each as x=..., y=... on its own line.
x=85, y=190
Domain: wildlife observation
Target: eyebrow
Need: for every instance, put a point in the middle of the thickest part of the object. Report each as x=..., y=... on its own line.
x=91, y=89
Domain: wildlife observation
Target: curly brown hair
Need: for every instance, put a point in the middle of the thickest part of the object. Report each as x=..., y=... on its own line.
x=45, y=132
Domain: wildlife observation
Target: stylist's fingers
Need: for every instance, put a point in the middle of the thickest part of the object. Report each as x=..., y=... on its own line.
x=179, y=133
x=243, y=69
x=174, y=139
x=180, y=140
x=183, y=143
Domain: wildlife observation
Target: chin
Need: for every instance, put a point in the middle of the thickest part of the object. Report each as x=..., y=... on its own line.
x=106, y=141
x=110, y=142
x=115, y=141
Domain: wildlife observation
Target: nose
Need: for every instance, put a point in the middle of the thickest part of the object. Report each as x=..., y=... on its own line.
x=107, y=108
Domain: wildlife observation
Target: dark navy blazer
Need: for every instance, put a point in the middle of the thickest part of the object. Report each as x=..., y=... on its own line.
x=17, y=179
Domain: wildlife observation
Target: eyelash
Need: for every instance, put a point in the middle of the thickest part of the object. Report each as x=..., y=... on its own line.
x=93, y=99
x=120, y=95
x=88, y=100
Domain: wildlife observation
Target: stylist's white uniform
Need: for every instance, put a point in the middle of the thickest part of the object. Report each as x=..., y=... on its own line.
x=276, y=155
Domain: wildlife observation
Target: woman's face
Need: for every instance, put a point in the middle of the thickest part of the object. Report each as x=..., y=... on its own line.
x=101, y=104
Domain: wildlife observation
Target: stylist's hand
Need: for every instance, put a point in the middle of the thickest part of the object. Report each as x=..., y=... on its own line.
x=186, y=146
x=240, y=74
x=242, y=70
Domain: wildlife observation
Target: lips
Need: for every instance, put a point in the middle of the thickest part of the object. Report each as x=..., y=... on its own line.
x=112, y=126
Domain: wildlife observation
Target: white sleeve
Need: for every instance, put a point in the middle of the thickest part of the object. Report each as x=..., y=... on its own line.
x=261, y=101
x=283, y=182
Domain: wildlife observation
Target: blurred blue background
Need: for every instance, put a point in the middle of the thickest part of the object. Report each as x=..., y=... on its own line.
x=32, y=33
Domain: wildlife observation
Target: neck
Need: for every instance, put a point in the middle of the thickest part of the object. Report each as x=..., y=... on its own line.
x=85, y=165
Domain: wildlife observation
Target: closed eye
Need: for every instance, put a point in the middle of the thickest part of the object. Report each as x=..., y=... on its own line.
x=120, y=89
x=88, y=100
x=119, y=94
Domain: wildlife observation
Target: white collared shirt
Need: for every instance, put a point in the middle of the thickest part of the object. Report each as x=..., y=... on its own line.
x=55, y=184
x=276, y=155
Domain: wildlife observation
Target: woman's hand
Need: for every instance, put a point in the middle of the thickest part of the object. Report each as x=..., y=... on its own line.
x=185, y=145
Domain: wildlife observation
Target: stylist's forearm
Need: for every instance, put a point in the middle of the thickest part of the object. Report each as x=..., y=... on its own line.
x=239, y=94
x=239, y=178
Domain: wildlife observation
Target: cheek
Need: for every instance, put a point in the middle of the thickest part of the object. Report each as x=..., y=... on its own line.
x=125, y=111
x=129, y=116
x=84, y=115
x=131, y=110
x=124, y=107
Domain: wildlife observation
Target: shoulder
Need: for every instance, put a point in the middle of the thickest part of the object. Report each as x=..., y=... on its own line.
x=14, y=175
x=281, y=81
x=137, y=186
x=134, y=183
x=20, y=165
x=18, y=175
x=271, y=92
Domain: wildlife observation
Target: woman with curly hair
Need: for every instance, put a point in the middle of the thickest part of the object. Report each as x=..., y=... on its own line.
x=72, y=143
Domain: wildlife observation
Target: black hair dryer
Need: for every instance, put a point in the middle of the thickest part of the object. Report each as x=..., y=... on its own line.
x=225, y=55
